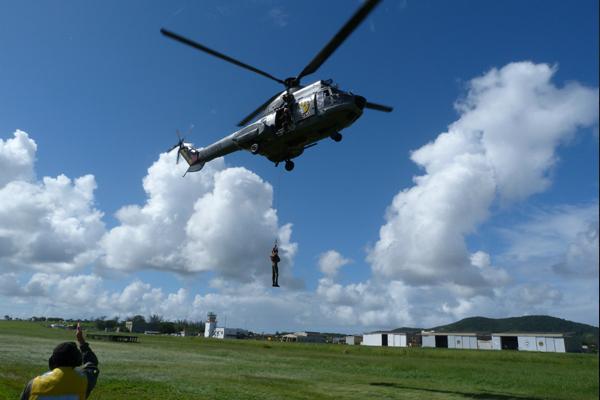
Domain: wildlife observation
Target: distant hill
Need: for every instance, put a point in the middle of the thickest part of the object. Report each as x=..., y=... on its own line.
x=530, y=323
x=407, y=330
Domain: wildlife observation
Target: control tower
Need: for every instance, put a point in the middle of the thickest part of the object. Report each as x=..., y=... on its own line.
x=211, y=324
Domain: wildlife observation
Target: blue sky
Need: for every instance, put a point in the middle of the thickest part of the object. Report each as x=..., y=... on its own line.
x=503, y=223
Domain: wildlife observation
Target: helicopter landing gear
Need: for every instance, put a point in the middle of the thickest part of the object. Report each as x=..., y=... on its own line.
x=254, y=148
x=289, y=165
x=337, y=137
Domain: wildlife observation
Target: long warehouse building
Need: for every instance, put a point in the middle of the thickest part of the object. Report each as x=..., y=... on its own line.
x=546, y=342
x=390, y=339
x=456, y=340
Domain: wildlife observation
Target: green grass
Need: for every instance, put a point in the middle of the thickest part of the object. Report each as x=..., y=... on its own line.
x=196, y=368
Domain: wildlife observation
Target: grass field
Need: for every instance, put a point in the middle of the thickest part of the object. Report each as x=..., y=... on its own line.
x=195, y=368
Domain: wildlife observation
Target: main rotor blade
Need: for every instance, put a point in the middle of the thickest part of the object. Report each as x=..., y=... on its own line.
x=378, y=107
x=257, y=111
x=339, y=38
x=217, y=54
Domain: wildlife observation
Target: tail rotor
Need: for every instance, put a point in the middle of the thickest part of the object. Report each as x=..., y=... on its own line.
x=180, y=143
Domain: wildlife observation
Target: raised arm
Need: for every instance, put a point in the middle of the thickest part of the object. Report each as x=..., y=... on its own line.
x=26, y=392
x=90, y=361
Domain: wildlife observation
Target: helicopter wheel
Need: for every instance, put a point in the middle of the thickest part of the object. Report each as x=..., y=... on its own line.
x=289, y=165
x=337, y=137
x=254, y=148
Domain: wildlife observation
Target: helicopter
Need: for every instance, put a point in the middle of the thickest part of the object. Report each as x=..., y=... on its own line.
x=290, y=121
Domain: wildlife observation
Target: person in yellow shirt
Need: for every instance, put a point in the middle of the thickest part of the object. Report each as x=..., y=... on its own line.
x=72, y=376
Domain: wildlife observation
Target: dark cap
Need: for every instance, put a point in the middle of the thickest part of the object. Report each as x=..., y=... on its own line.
x=65, y=355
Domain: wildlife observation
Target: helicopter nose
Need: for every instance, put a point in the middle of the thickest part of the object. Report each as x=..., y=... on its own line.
x=360, y=101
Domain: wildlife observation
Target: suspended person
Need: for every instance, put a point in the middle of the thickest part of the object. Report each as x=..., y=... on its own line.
x=274, y=264
x=67, y=378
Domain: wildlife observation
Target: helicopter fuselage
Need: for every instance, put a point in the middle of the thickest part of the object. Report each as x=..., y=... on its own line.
x=311, y=113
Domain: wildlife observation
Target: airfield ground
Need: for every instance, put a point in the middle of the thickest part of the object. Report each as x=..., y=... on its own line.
x=196, y=368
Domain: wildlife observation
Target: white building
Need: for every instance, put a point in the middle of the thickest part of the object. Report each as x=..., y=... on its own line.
x=387, y=339
x=484, y=343
x=353, y=340
x=455, y=340
x=229, y=333
x=211, y=330
x=304, y=337
x=545, y=342
x=210, y=325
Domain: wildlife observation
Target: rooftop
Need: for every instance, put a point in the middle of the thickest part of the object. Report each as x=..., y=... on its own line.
x=554, y=334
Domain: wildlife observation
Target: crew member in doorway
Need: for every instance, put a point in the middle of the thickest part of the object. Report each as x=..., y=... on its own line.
x=288, y=99
x=274, y=263
x=287, y=111
x=67, y=378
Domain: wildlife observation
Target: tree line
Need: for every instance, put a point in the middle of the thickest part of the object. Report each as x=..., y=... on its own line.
x=157, y=323
x=154, y=322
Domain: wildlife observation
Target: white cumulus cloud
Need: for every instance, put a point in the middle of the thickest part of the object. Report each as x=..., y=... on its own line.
x=503, y=146
x=17, y=156
x=331, y=261
x=581, y=258
x=220, y=220
x=86, y=295
x=564, y=238
x=48, y=225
